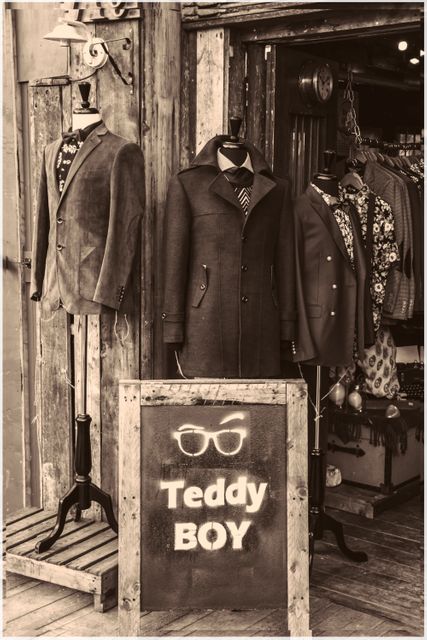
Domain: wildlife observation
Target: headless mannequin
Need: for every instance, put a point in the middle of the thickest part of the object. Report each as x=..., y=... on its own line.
x=85, y=115
x=233, y=149
x=326, y=180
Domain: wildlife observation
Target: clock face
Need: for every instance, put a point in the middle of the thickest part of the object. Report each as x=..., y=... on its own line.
x=323, y=82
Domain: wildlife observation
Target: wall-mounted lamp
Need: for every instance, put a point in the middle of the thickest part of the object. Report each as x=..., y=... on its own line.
x=95, y=50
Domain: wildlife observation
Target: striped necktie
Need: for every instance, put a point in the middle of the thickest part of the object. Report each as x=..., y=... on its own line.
x=241, y=180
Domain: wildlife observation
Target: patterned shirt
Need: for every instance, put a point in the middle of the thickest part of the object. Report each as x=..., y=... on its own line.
x=385, y=252
x=65, y=158
x=343, y=220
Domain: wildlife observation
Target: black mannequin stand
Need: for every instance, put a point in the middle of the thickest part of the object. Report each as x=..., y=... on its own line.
x=83, y=492
x=233, y=148
x=319, y=520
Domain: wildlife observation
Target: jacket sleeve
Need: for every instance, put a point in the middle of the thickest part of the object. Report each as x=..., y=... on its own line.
x=127, y=199
x=40, y=237
x=285, y=268
x=176, y=247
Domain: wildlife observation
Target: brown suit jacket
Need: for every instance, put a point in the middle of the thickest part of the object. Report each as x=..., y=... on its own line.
x=85, y=238
x=331, y=296
x=229, y=283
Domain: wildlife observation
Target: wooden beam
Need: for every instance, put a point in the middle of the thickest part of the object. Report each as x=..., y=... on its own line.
x=237, y=80
x=336, y=25
x=255, y=117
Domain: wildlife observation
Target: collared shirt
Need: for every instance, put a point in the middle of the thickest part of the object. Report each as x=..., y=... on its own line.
x=243, y=193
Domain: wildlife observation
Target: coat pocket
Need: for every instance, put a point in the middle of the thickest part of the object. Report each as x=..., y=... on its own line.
x=201, y=286
x=88, y=271
x=274, y=287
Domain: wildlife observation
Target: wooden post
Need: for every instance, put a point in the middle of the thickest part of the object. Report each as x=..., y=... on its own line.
x=130, y=474
x=212, y=84
x=257, y=69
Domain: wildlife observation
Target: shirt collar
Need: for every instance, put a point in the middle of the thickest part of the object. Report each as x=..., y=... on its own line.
x=225, y=163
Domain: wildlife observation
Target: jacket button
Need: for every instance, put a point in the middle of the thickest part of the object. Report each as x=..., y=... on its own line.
x=163, y=315
x=244, y=298
x=334, y=286
x=59, y=247
x=203, y=287
x=332, y=313
x=244, y=267
x=328, y=258
x=244, y=238
x=59, y=220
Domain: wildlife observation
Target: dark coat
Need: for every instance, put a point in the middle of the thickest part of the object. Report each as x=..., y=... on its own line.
x=228, y=279
x=331, y=296
x=85, y=239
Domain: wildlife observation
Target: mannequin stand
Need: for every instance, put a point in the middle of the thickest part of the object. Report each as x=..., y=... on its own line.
x=319, y=520
x=83, y=492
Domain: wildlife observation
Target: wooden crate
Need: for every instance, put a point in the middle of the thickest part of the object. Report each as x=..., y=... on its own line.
x=84, y=558
x=271, y=567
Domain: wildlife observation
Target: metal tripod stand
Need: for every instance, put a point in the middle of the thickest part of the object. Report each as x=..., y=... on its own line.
x=83, y=492
x=319, y=520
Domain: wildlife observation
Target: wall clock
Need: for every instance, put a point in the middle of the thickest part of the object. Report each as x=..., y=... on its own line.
x=316, y=82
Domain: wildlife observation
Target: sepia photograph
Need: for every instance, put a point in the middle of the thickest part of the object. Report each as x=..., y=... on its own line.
x=213, y=319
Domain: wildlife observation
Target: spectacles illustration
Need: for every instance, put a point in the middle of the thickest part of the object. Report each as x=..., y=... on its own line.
x=193, y=440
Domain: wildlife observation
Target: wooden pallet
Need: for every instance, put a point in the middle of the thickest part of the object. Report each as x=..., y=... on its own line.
x=367, y=502
x=84, y=558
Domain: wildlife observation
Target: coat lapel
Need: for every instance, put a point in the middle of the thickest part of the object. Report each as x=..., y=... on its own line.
x=327, y=216
x=261, y=187
x=223, y=188
x=91, y=142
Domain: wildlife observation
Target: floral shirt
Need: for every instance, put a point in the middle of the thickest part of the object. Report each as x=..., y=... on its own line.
x=65, y=158
x=385, y=252
x=343, y=220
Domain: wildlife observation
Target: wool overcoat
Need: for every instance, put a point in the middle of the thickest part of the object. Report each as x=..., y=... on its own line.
x=332, y=306
x=85, y=238
x=229, y=280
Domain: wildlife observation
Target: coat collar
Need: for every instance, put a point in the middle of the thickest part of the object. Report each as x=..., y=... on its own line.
x=326, y=215
x=263, y=177
x=91, y=142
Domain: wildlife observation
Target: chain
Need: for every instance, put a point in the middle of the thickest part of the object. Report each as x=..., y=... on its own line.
x=351, y=118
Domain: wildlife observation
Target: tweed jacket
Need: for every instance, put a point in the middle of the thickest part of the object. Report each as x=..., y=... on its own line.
x=331, y=295
x=229, y=281
x=400, y=291
x=85, y=239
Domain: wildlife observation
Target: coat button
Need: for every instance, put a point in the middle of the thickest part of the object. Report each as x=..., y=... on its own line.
x=59, y=220
x=244, y=298
x=203, y=287
x=163, y=315
x=244, y=267
x=59, y=247
x=332, y=313
x=334, y=286
x=244, y=238
x=328, y=258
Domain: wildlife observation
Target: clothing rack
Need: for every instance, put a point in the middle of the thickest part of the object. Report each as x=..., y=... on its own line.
x=390, y=146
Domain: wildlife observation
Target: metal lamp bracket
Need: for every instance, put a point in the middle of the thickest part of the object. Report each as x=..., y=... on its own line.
x=94, y=54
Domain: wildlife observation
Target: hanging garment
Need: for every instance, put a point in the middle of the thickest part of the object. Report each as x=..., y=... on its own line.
x=382, y=253
x=400, y=289
x=229, y=278
x=85, y=238
x=331, y=300
x=379, y=366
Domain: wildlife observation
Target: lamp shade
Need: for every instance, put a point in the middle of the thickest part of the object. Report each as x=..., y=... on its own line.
x=68, y=31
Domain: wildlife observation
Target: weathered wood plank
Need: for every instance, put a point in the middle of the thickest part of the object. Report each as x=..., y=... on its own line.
x=188, y=98
x=59, y=624
x=161, y=127
x=104, y=546
x=237, y=80
x=27, y=521
x=40, y=595
x=389, y=528
x=130, y=509
x=256, y=110
x=212, y=85
x=271, y=108
x=21, y=515
x=28, y=547
x=54, y=394
x=297, y=511
x=94, y=405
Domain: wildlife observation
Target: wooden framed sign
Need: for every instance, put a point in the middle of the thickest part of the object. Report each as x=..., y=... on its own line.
x=213, y=498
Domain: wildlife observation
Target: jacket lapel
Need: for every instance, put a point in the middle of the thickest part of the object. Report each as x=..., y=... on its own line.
x=328, y=218
x=223, y=188
x=261, y=187
x=91, y=142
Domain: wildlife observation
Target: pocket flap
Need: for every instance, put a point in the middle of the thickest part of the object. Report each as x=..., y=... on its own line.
x=314, y=310
x=201, y=286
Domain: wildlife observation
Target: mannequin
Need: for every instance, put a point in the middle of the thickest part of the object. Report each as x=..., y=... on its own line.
x=233, y=149
x=326, y=180
x=86, y=231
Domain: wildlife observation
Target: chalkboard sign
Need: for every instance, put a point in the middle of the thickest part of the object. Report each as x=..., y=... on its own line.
x=213, y=494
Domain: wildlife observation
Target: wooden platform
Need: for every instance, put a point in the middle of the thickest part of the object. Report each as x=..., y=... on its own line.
x=382, y=597
x=84, y=558
x=367, y=502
